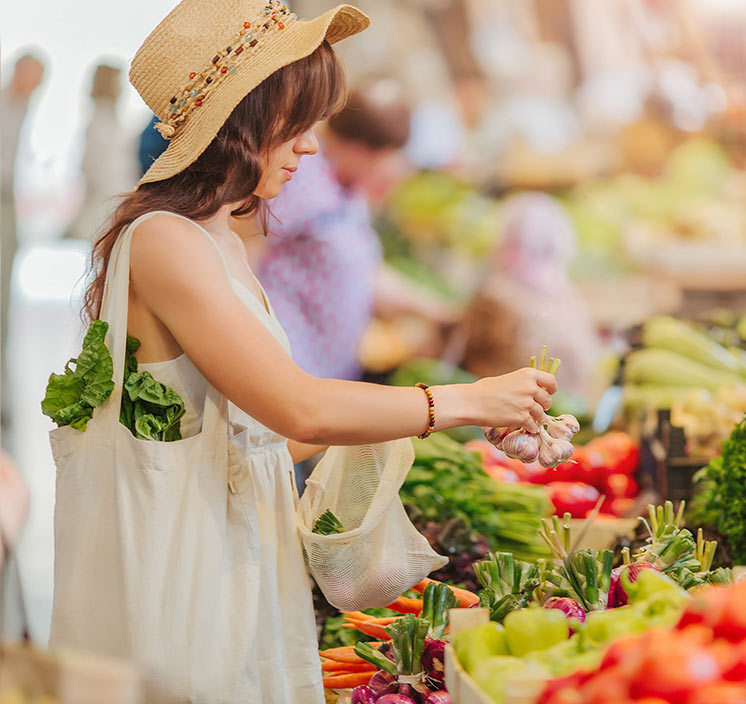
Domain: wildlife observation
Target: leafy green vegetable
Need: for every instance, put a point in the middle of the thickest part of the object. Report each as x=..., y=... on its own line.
x=327, y=524
x=151, y=410
x=720, y=501
x=447, y=482
x=71, y=397
x=156, y=408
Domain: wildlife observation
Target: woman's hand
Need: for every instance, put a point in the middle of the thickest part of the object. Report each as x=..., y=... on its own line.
x=515, y=400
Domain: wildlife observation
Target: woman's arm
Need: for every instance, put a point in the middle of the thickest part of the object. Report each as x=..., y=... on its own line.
x=300, y=452
x=179, y=277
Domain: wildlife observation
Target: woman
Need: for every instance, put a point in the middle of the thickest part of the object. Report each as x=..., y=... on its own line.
x=229, y=620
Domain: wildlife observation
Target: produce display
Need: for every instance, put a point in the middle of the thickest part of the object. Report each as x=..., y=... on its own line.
x=702, y=660
x=448, y=482
x=604, y=466
x=548, y=618
x=682, y=368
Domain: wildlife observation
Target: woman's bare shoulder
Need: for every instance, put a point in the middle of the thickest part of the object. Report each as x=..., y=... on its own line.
x=171, y=252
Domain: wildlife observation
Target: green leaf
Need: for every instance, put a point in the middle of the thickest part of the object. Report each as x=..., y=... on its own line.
x=94, y=365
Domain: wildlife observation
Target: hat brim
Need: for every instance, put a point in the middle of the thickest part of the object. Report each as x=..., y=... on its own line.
x=297, y=41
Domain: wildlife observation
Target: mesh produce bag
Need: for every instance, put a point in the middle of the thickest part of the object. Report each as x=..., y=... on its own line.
x=380, y=554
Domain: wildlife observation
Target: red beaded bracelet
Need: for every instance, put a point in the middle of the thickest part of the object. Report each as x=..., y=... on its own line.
x=430, y=411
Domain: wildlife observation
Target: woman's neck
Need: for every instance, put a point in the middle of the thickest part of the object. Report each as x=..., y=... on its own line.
x=220, y=223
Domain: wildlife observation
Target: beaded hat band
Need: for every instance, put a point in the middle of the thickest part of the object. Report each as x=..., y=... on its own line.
x=206, y=55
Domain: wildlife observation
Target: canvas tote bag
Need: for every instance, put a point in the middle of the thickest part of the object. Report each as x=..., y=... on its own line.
x=140, y=533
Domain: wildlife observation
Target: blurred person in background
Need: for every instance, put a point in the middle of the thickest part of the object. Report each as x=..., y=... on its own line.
x=528, y=299
x=322, y=267
x=14, y=104
x=108, y=166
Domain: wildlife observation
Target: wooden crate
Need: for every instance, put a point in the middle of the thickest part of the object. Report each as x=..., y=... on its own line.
x=66, y=677
x=463, y=689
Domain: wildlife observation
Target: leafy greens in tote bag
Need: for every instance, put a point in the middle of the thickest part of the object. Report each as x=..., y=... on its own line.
x=151, y=410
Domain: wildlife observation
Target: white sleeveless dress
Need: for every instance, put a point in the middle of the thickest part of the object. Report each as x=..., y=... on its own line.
x=270, y=646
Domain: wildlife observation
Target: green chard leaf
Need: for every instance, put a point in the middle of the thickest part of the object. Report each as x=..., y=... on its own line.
x=71, y=397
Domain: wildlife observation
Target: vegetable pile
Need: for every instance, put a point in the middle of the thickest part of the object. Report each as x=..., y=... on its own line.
x=682, y=368
x=151, y=410
x=700, y=661
x=408, y=665
x=532, y=645
x=720, y=501
x=447, y=482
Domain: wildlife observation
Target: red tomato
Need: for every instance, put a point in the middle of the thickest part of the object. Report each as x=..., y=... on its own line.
x=624, y=652
x=731, y=660
x=732, y=622
x=501, y=474
x=619, y=485
x=719, y=693
x=611, y=686
x=575, y=497
x=617, y=507
x=486, y=450
x=561, y=685
x=673, y=667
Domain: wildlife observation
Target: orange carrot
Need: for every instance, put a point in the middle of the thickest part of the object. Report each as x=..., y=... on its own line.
x=370, y=629
x=345, y=653
x=358, y=615
x=347, y=680
x=466, y=598
x=382, y=621
x=406, y=605
x=340, y=667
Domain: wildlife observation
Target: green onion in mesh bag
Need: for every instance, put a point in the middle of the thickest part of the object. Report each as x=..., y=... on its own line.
x=327, y=524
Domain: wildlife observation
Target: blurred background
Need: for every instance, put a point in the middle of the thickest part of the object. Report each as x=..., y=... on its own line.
x=568, y=169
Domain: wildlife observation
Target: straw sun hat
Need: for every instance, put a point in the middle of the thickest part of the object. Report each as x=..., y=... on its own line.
x=206, y=55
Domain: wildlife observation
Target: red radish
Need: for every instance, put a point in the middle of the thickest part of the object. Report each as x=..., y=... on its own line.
x=633, y=571
x=439, y=697
x=362, y=695
x=433, y=661
x=382, y=683
x=395, y=699
x=567, y=606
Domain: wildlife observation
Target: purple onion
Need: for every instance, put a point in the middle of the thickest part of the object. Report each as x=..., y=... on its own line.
x=382, y=683
x=567, y=606
x=363, y=695
x=395, y=699
x=439, y=697
x=433, y=661
x=633, y=571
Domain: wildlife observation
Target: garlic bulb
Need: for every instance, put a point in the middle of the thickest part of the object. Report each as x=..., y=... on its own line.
x=562, y=427
x=496, y=435
x=553, y=451
x=521, y=445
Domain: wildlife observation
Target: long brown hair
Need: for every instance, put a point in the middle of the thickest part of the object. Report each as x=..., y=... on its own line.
x=284, y=105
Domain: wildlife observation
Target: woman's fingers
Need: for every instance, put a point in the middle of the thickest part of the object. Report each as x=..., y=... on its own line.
x=537, y=414
x=543, y=399
x=546, y=381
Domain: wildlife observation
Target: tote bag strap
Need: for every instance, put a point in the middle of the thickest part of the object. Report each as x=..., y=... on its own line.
x=114, y=307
